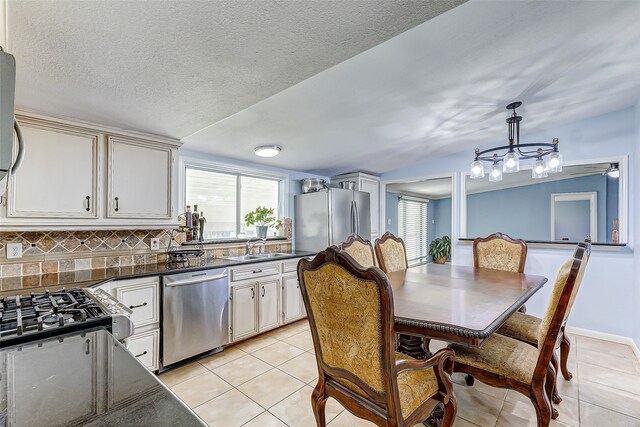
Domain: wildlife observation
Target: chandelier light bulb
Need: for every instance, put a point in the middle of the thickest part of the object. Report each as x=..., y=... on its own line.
x=511, y=163
x=496, y=173
x=477, y=170
x=555, y=162
x=539, y=169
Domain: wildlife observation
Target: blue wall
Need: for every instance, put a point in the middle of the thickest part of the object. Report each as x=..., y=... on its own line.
x=442, y=215
x=525, y=212
x=391, y=212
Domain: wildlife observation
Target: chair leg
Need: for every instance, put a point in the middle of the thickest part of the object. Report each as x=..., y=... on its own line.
x=318, y=403
x=450, y=410
x=549, y=385
x=565, y=347
x=542, y=407
x=554, y=362
x=469, y=380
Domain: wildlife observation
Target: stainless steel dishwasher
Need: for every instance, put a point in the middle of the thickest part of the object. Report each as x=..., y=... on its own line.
x=195, y=314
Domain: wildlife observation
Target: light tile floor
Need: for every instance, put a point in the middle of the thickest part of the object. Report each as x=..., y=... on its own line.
x=267, y=382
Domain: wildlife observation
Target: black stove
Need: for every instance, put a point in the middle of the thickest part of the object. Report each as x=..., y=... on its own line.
x=39, y=315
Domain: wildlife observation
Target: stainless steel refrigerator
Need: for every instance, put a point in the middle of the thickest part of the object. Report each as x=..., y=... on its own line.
x=328, y=217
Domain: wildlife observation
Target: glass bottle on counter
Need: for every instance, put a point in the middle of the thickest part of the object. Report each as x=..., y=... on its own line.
x=195, y=221
x=202, y=221
x=189, y=224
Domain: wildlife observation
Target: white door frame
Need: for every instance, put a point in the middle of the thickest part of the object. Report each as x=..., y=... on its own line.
x=590, y=196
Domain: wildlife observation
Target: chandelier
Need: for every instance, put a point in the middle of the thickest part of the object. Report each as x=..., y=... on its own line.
x=547, y=156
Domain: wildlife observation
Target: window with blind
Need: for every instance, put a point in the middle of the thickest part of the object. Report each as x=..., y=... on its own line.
x=412, y=227
x=225, y=198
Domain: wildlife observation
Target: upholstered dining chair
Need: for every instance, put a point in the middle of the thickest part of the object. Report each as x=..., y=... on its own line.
x=524, y=327
x=508, y=363
x=391, y=253
x=350, y=312
x=500, y=252
x=360, y=250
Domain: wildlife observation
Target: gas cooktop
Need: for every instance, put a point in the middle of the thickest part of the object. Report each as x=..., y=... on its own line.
x=39, y=315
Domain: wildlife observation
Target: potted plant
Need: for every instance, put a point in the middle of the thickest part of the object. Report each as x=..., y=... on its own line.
x=279, y=226
x=440, y=249
x=262, y=217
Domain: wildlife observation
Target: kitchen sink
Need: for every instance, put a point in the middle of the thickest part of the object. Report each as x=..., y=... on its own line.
x=241, y=257
x=271, y=255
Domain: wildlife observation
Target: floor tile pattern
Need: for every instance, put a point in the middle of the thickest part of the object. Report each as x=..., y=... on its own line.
x=267, y=381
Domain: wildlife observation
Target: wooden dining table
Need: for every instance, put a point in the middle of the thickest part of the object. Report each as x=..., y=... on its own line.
x=455, y=303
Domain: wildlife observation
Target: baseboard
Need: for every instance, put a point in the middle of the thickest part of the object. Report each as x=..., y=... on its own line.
x=606, y=337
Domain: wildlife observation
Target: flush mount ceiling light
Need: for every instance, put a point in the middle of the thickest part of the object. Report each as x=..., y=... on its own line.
x=267, y=150
x=547, y=155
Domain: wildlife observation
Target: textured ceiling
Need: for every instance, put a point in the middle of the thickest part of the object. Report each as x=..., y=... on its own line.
x=175, y=67
x=441, y=87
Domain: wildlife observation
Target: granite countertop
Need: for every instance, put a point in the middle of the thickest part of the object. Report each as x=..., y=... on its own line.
x=11, y=286
x=84, y=378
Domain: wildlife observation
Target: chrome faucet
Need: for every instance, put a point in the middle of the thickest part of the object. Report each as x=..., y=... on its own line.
x=258, y=242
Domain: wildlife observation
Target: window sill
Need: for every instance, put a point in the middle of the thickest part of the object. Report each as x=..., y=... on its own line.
x=221, y=241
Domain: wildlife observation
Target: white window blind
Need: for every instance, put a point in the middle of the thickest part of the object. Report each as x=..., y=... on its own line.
x=412, y=221
x=225, y=198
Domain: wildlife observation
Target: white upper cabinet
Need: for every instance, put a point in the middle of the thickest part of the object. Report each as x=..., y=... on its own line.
x=369, y=184
x=59, y=174
x=80, y=175
x=140, y=179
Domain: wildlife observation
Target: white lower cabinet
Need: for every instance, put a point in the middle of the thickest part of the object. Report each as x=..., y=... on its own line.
x=293, y=304
x=263, y=303
x=145, y=347
x=269, y=306
x=142, y=296
x=244, y=319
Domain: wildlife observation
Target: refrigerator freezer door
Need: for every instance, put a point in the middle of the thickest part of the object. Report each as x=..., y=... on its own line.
x=312, y=221
x=363, y=214
x=341, y=208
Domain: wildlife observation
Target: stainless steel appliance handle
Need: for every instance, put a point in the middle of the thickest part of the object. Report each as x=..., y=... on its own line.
x=21, y=147
x=195, y=281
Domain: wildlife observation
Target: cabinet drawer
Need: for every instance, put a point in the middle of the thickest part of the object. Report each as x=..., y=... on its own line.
x=144, y=347
x=290, y=265
x=142, y=299
x=254, y=271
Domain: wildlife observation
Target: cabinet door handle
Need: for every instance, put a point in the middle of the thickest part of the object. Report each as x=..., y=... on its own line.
x=253, y=293
x=141, y=354
x=263, y=292
x=88, y=349
x=257, y=271
x=88, y=198
x=139, y=305
x=117, y=204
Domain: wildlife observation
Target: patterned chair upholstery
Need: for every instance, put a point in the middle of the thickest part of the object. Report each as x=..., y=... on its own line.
x=360, y=250
x=524, y=327
x=500, y=252
x=352, y=324
x=391, y=253
x=509, y=363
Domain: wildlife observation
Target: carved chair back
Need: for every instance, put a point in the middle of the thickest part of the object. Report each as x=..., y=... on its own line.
x=500, y=252
x=391, y=253
x=350, y=312
x=563, y=294
x=360, y=250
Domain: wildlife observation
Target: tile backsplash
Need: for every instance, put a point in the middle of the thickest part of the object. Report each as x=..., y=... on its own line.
x=64, y=251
